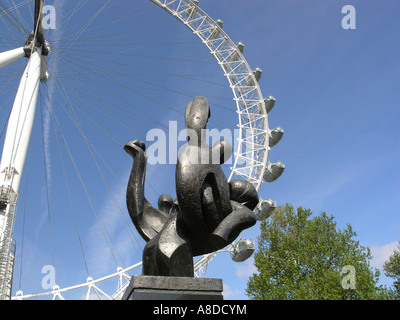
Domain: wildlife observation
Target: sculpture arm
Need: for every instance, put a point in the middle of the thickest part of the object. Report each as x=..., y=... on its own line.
x=147, y=220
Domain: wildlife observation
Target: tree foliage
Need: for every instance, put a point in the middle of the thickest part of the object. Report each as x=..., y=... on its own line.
x=392, y=270
x=303, y=258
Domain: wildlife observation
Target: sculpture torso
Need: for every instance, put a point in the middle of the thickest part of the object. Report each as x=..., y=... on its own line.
x=194, y=176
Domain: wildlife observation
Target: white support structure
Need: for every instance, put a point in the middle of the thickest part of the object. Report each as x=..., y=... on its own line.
x=20, y=125
x=8, y=57
x=12, y=163
x=91, y=285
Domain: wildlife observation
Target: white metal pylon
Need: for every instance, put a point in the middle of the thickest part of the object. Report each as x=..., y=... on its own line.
x=15, y=148
x=10, y=56
x=16, y=143
x=20, y=124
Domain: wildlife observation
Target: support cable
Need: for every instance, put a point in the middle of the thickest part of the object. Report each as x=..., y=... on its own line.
x=46, y=173
x=67, y=185
x=126, y=224
x=101, y=225
x=13, y=20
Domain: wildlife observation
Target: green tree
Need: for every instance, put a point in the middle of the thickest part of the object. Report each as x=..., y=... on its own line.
x=303, y=258
x=392, y=270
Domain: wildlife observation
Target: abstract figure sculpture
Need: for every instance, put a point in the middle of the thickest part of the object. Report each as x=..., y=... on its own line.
x=208, y=214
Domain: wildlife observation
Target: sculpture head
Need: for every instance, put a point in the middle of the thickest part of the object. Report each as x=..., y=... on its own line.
x=196, y=116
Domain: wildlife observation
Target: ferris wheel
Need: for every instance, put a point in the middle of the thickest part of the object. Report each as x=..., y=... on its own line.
x=102, y=56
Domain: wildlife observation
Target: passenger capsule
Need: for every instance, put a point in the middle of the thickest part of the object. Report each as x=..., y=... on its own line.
x=257, y=72
x=193, y=10
x=274, y=171
x=217, y=30
x=267, y=106
x=269, y=103
x=235, y=55
x=264, y=209
x=275, y=135
x=243, y=250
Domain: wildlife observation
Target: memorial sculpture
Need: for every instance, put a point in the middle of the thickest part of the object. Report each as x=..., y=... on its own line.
x=209, y=212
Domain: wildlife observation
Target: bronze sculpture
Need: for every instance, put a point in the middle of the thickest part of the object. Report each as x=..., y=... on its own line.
x=208, y=214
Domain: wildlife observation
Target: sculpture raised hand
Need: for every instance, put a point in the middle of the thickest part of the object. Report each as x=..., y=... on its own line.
x=209, y=212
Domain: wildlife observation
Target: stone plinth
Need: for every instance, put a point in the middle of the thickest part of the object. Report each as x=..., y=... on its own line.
x=173, y=288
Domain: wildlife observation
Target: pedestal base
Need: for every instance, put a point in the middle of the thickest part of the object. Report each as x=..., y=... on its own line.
x=173, y=288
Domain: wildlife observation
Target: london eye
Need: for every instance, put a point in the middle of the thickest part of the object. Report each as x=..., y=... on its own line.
x=77, y=81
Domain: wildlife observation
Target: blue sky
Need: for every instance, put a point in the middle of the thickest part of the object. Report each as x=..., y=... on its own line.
x=337, y=99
